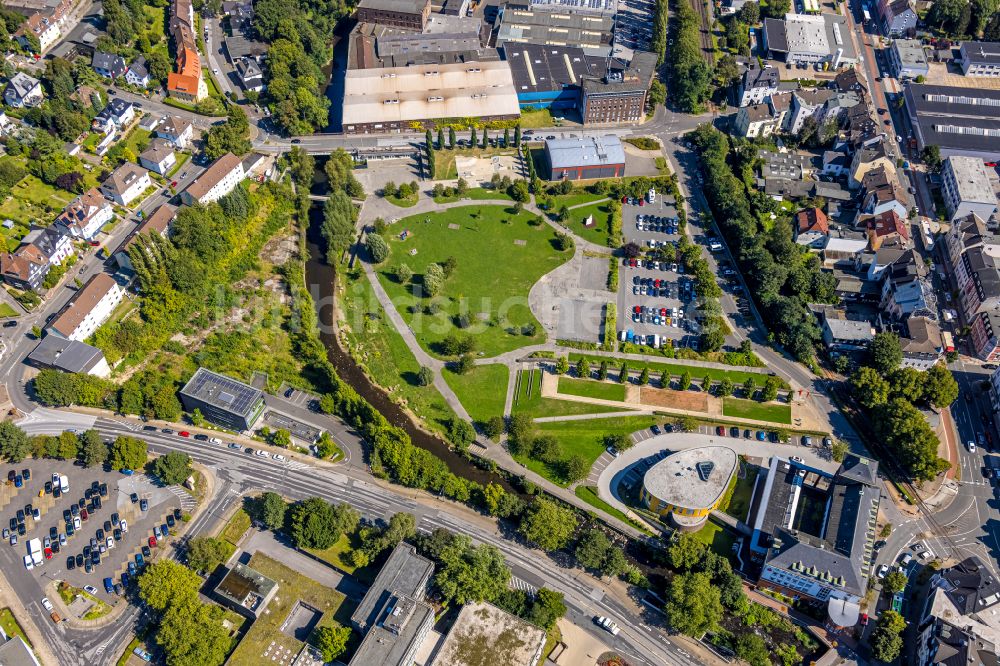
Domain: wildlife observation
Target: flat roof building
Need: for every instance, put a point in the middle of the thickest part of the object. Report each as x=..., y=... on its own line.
x=547, y=76
x=810, y=38
x=223, y=400
x=556, y=27
x=393, y=98
x=907, y=59
x=483, y=633
x=69, y=356
x=585, y=157
x=980, y=58
x=409, y=14
x=689, y=484
x=246, y=590
x=960, y=121
x=846, y=334
x=967, y=188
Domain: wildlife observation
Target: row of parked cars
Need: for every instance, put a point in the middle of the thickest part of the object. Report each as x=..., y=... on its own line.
x=215, y=440
x=656, y=224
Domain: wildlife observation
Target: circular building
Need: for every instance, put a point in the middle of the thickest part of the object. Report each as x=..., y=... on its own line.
x=687, y=485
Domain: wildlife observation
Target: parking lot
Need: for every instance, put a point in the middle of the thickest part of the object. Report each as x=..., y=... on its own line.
x=659, y=288
x=633, y=27
x=102, y=523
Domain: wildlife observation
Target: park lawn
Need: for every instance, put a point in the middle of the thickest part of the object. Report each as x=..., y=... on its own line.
x=589, y=388
x=675, y=368
x=11, y=627
x=535, y=118
x=716, y=537
x=380, y=350
x=528, y=400
x=580, y=438
x=598, y=232
x=771, y=412
x=293, y=587
x=575, y=198
x=404, y=202
x=7, y=311
x=476, y=194
x=482, y=390
x=236, y=527
x=491, y=280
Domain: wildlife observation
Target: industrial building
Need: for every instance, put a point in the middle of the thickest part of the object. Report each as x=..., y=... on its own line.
x=619, y=95
x=393, y=98
x=960, y=121
x=246, y=590
x=556, y=27
x=69, y=356
x=980, y=58
x=409, y=14
x=689, y=484
x=584, y=158
x=547, y=77
x=222, y=400
x=810, y=39
x=827, y=560
x=482, y=628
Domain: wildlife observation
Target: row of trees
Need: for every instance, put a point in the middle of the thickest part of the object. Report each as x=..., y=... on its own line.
x=87, y=447
x=783, y=277
x=892, y=395
x=689, y=75
x=339, y=212
x=962, y=19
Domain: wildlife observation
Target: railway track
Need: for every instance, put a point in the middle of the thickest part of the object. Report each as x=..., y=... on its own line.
x=707, y=47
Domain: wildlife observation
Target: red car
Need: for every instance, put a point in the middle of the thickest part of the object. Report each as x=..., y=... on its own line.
x=93, y=243
x=624, y=199
x=633, y=263
x=173, y=184
x=656, y=283
x=83, y=514
x=152, y=542
x=663, y=312
x=184, y=433
x=48, y=553
x=642, y=202
x=864, y=619
x=637, y=309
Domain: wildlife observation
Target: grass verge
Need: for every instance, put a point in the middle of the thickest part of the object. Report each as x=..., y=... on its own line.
x=528, y=400
x=770, y=412
x=675, y=369
x=589, y=495
x=236, y=527
x=588, y=388
x=11, y=626
x=482, y=390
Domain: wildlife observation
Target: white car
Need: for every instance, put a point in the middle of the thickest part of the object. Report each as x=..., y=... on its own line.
x=62, y=539
x=46, y=604
x=279, y=457
x=883, y=570
x=124, y=526
x=608, y=625
x=110, y=542
x=971, y=446
x=797, y=459
x=262, y=453
x=90, y=589
x=76, y=523
x=28, y=564
x=215, y=440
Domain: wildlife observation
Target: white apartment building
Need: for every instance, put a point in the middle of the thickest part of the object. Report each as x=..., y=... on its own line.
x=217, y=181
x=89, y=308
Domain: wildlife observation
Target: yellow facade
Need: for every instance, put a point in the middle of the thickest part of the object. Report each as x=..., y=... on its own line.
x=655, y=505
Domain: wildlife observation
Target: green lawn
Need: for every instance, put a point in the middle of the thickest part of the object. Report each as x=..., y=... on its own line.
x=339, y=556
x=772, y=412
x=137, y=140
x=589, y=388
x=377, y=346
x=31, y=200
x=598, y=232
x=482, y=390
x=739, y=502
x=575, y=198
x=580, y=438
x=10, y=625
x=7, y=311
x=476, y=194
x=293, y=588
x=236, y=527
x=717, y=537
x=528, y=400
x=535, y=118
x=675, y=368
x=491, y=280
x=445, y=165
x=589, y=495
x=182, y=159
x=407, y=202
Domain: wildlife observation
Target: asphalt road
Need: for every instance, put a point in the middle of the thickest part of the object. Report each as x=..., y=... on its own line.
x=238, y=473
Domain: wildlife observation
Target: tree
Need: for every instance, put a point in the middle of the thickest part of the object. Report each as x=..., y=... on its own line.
x=486, y=139
x=232, y=136
x=940, y=387
x=602, y=370
x=644, y=376
x=173, y=468
x=425, y=377
x=465, y=364
x=548, y=525
x=191, y=633
x=127, y=453
x=592, y=548
x=92, y=449
x=623, y=373
x=206, y=553
x=403, y=274
x=619, y=441
x=752, y=649
x=562, y=365
x=547, y=608
x=493, y=428
x=749, y=387
x=750, y=13
x=14, y=444
x=517, y=136
x=770, y=390
x=315, y=523
x=657, y=94
x=378, y=249
x=693, y=606
x=460, y=433
x=686, y=552
x=886, y=640
x=165, y=583
x=331, y=641
x=576, y=468
x=885, y=353
x=468, y=573
x=725, y=387
x=838, y=450
x=904, y=430
x=870, y=388
x=270, y=509
x=894, y=581
x=583, y=369
x=931, y=156
x=451, y=137
x=684, y=383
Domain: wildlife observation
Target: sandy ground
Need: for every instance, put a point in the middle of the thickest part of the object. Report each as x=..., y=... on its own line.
x=582, y=649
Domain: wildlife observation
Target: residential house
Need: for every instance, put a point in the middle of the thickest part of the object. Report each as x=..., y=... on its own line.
x=188, y=82
x=980, y=58
x=860, y=128
x=250, y=74
x=109, y=65
x=896, y=17
x=958, y=621
x=906, y=290
x=758, y=83
x=138, y=73
x=848, y=80
x=867, y=159
x=44, y=28
x=984, y=335
x=806, y=104
x=968, y=187
x=974, y=253
x=23, y=91
x=882, y=192
x=826, y=561
x=215, y=182
x=790, y=166
x=88, y=309
x=54, y=245
x=877, y=261
x=843, y=246
x=126, y=183
x=85, y=215
x=158, y=157
x=24, y=268
x=755, y=120
x=922, y=344
x=835, y=163
x=157, y=223
x=177, y=131
x=115, y=116
x=846, y=335
x=811, y=228
x=887, y=228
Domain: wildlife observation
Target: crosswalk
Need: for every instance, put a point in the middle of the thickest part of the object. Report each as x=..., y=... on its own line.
x=523, y=585
x=188, y=503
x=298, y=464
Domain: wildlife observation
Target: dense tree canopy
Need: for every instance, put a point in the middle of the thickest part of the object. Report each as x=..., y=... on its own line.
x=689, y=74
x=548, y=525
x=127, y=453
x=694, y=605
